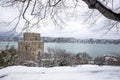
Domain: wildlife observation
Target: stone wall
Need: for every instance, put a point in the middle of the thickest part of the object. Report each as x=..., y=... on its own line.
x=29, y=47
x=31, y=37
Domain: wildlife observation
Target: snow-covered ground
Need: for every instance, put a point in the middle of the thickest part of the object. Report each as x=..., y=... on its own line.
x=81, y=72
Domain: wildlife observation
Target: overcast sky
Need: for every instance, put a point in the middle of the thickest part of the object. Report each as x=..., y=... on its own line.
x=74, y=27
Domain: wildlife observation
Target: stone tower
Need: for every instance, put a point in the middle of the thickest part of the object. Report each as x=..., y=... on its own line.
x=31, y=46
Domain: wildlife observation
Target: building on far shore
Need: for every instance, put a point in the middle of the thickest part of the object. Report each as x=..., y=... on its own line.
x=31, y=48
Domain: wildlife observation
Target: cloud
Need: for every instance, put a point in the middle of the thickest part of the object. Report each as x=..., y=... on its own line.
x=73, y=27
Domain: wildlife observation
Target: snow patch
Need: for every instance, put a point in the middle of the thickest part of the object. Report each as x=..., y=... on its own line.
x=81, y=72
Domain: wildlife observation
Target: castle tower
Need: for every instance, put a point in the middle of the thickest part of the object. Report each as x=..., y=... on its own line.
x=31, y=46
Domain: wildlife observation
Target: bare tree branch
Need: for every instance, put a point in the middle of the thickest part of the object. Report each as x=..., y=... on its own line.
x=41, y=10
x=26, y=10
x=108, y=13
x=53, y=5
x=32, y=12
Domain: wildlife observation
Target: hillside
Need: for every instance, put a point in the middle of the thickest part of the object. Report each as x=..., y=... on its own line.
x=66, y=40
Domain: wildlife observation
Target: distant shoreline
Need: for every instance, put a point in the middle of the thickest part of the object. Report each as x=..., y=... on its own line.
x=65, y=40
x=75, y=42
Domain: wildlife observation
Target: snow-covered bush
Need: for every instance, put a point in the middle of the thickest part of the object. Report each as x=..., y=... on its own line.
x=8, y=57
x=59, y=57
x=30, y=63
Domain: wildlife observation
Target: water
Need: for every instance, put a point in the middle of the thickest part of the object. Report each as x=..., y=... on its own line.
x=4, y=44
x=93, y=49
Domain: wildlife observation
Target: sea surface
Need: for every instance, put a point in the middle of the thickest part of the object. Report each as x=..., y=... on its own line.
x=93, y=50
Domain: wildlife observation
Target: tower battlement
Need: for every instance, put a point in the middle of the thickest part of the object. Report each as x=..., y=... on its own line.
x=31, y=36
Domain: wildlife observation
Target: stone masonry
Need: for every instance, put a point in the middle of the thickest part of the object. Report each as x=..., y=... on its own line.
x=31, y=46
